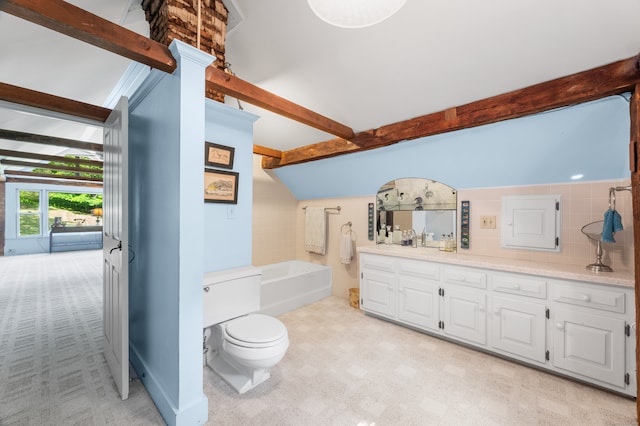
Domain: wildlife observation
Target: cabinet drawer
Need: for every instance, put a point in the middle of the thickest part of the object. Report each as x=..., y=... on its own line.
x=517, y=284
x=419, y=269
x=590, y=296
x=377, y=263
x=469, y=277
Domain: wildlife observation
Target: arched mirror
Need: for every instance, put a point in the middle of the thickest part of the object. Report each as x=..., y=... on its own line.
x=425, y=206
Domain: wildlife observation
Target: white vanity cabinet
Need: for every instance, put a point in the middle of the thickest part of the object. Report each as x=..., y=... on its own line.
x=378, y=285
x=465, y=307
x=592, y=332
x=575, y=328
x=519, y=323
x=419, y=293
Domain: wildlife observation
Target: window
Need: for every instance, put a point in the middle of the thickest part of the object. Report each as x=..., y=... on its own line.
x=74, y=209
x=29, y=213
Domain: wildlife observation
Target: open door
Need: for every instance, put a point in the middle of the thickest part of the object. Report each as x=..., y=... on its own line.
x=115, y=251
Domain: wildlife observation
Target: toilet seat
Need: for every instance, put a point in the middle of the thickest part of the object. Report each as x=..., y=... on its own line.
x=255, y=331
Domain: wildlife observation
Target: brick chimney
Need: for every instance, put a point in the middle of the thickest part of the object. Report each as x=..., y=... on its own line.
x=199, y=23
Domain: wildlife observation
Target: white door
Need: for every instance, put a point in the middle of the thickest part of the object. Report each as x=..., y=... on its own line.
x=115, y=247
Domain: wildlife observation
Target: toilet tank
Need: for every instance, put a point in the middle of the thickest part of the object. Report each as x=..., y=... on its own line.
x=230, y=293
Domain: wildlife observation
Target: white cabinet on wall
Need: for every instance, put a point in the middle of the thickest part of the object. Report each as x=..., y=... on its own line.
x=573, y=328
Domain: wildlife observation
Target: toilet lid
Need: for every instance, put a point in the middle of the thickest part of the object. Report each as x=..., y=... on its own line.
x=256, y=328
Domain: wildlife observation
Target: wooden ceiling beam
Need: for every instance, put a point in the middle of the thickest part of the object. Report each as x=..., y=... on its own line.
x=266, y=152
x=618, y=77
x=13, y=135
x=223, y=82
x=49, y=176
x=32, y=98
x=48, y=166
x=72, y=21
x=56, y=158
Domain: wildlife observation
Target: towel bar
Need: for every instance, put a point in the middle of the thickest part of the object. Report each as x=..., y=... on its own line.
x=612, y=195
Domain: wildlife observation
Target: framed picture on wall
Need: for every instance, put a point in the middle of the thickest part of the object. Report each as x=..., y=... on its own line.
x=220, y=186
x=218, y=155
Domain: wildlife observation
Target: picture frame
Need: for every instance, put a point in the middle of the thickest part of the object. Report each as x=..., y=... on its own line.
x=218, y=155
x=220, y=186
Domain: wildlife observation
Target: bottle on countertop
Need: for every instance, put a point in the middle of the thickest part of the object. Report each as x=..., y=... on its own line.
x=397, y=235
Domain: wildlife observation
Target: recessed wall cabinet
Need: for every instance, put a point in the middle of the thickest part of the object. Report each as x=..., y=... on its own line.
x=572, y=328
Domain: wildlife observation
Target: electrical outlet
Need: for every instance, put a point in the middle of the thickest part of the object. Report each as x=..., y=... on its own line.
x=487, y=222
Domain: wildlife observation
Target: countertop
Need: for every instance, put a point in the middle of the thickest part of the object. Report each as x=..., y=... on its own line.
x=621, y=278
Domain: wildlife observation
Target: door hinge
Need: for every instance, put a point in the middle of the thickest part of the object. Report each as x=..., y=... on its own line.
x=361, y=301
x=441, y=292
x=557, y=241
x=558, y=205
x=627, y=378
x=546, y=355
x=547, y=313
x=441, y=325
x=627, y=330
x=361, y=275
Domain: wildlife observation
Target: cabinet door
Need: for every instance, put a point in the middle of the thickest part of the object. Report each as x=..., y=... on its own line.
x=465, y=314
x=590, y=345
x=378, y=293
x=519, y=328
x=418, y=302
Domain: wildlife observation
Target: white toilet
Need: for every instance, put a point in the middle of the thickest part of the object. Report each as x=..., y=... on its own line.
x=241, y=347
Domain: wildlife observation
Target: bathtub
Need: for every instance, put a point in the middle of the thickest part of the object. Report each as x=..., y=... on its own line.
x=286, y=286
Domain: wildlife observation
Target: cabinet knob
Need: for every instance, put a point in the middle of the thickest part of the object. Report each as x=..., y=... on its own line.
x=586, y=298
x=497, y=312
x=559, y=326
x=516, y=286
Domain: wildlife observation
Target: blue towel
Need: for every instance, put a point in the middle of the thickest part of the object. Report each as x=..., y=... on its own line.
x=612, y=223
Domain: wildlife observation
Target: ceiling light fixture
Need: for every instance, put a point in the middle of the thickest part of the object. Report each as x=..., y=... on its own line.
x=354, y=13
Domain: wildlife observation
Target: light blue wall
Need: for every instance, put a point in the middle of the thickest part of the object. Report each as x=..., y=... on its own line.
x=166, y=221
x=228, y=227
x=16, y=245
x=590, y=139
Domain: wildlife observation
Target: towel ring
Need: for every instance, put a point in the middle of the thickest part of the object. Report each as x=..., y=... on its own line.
x=346, y=224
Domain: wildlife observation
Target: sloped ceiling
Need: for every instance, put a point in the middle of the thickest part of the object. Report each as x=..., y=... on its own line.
x=428, y=57
x=37, y=58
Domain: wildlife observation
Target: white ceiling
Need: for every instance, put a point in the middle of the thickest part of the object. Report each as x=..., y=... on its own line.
x=428, y=57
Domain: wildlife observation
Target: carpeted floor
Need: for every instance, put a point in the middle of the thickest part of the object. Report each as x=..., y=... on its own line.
x=52, y=370
x=342, y=368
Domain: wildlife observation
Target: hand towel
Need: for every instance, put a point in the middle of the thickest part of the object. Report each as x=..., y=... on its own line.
x=315, y=230
x=612, y=223
x=346, y=248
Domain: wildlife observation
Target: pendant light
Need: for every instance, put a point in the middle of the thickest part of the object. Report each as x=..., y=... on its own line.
x=354, y=13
